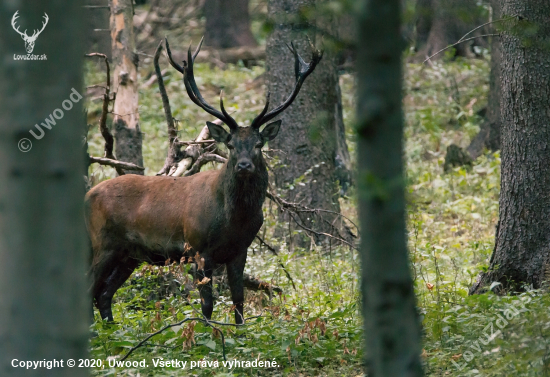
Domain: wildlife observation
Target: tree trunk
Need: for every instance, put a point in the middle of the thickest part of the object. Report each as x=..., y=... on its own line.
x=308, y=138
x=522, y=251
x=44, y=308
x=447, y=21
x=489, y=134
x=392, y=328
x=227, y=24
x=128, y=137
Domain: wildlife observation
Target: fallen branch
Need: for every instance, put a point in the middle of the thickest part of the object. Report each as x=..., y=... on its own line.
x=203, y=160
x=229, y=55
x=251, y=282
x=202, y=320
x=115, y=163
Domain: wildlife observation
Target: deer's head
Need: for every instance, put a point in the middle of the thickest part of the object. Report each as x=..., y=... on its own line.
x=244, y=143
x=29, y=40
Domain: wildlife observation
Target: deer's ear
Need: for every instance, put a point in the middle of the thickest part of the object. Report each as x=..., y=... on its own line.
x=271, y=130
x=218, y=133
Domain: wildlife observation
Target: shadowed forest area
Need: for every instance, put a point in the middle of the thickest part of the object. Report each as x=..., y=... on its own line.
x=395, y=149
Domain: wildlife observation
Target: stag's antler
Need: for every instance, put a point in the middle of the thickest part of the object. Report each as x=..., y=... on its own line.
x=16, y=28
x=44, y=23
x=302, y=70
x=193, y=90
x=24, y=35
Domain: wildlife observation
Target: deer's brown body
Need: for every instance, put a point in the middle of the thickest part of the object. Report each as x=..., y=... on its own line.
x=133, y=219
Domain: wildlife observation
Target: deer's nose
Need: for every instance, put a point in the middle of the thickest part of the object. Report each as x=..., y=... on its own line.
x=245, y=166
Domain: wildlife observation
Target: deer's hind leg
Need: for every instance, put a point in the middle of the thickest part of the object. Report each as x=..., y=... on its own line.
x=204, y=272
x=114, y=273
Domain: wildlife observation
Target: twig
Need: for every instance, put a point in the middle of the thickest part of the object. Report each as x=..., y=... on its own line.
x=270, y=248
x=470, y=32
x=320, y=233
x=485, y=24
x=461, y=41
x=302, y=208
x=115, y=163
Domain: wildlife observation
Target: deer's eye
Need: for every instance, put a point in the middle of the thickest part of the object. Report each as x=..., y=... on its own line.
x=259, y=145
x=230, y=146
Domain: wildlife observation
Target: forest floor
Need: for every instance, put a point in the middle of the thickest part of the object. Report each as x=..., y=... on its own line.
x=315, y=330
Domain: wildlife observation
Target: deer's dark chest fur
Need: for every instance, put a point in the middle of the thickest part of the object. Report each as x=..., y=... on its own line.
x=241, y=218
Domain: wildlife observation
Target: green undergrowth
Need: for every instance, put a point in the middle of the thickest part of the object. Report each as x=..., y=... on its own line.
x=315, y=329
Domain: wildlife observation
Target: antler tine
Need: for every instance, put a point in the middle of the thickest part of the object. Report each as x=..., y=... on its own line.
x=302, y=71
x=15, y=27
x=173, y=63
x=225, y=114
x=195, y=95
x=256, y=123
x=197, y=50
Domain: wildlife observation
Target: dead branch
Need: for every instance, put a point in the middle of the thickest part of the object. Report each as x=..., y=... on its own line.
x=173, y=151
x=115, y=163
x=203, y=160
x=107, y=136
x=297, y=207
x=202, y=320
x=183, y=143
x=154, y=77
x=320, y=233
x=270, y=248
x=254, y=284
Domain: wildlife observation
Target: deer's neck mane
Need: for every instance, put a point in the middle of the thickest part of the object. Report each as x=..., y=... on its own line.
x=243, y=196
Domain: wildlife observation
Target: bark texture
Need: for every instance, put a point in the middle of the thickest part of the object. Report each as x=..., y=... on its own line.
x=443, y=22
x=309, y=133
x=44, y=308
x=392, y=328
x=227, y=24
x=522, y=242
x=128, y=136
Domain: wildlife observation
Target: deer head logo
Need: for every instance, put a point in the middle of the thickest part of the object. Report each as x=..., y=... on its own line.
x=29, y=41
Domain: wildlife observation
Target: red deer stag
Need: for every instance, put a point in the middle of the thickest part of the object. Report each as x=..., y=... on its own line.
x=133, y=219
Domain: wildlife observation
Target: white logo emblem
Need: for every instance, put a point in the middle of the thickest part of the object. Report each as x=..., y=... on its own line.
x=29, y=41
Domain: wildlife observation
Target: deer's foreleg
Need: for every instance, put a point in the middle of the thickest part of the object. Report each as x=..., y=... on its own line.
x=235, y=270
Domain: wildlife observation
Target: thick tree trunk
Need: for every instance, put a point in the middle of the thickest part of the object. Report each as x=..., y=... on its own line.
x=44, y=307
x=227, y=24
x=392, y=328
x=308, y=137
x=128, y=137
x=522, y=251
x=447, y=21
